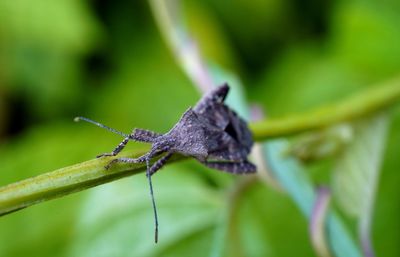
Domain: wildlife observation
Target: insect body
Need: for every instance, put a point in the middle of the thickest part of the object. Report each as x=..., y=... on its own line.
x=210, y=132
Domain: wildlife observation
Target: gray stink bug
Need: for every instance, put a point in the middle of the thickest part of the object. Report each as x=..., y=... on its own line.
x=210, y=132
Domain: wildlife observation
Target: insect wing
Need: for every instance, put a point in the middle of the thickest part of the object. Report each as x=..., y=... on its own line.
x=227, y=123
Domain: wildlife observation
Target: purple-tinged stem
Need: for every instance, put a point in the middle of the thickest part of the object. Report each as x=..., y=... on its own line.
x=318, y=221
x=169, y=18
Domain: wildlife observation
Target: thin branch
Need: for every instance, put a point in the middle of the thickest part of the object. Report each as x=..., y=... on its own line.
x=91, y=173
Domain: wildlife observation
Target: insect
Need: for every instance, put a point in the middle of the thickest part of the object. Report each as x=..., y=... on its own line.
x=210, y=132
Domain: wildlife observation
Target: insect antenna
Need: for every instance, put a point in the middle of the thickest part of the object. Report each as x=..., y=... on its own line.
x=77, y=119
x=152, y=200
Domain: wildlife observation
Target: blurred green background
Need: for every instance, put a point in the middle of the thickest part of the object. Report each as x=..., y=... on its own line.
x=106, y=60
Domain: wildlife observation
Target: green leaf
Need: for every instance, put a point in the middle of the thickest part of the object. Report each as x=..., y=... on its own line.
x=117, y=220
x=293, y=177
x=357, y=172
x=357, y=168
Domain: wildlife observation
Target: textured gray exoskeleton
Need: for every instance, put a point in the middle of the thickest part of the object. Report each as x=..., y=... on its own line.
x=210, y=132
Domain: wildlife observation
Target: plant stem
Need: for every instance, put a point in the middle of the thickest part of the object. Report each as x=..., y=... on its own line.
x=317, y=226
x=91, y=173
x=64, y=181
x=363, y=104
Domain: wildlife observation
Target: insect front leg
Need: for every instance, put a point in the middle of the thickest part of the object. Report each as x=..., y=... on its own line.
x=141, y=135
x=117, y=149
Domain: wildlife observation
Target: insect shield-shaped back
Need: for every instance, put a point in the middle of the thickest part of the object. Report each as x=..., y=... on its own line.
x=214, y=134
x=188, y=136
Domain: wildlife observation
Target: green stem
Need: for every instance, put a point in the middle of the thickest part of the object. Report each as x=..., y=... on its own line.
x=365, y=103
x=64, y=181
x=91, y=173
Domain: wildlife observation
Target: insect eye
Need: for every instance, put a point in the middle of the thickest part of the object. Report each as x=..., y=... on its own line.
x=231, y=131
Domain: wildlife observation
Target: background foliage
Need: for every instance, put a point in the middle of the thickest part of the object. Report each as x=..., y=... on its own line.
x=107, y=61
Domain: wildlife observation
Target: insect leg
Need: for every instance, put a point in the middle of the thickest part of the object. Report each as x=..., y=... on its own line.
x=127, y=160
x=159, y=163
x=146, y=158
x=137, y=135
x=117, y=149
x=244, y=167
